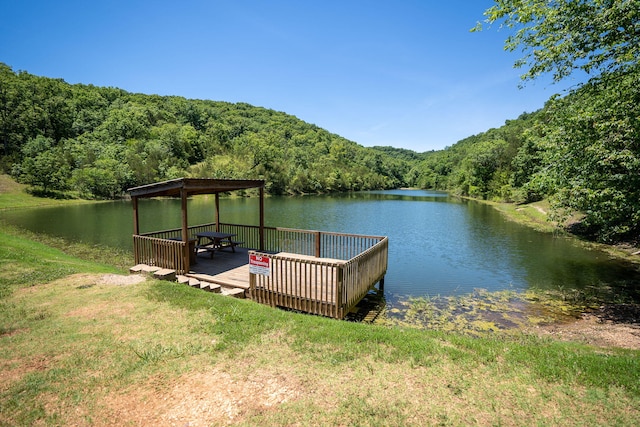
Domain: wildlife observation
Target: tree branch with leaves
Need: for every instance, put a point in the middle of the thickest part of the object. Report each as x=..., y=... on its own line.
x=562, y=36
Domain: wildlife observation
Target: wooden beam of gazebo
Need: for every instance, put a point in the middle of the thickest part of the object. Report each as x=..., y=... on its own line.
x=185, y=187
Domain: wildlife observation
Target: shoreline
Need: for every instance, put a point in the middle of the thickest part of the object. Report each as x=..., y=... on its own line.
x=535, y=215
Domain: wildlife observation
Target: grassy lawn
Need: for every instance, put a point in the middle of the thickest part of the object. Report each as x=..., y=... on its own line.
x=14, y=195
x=81, y=344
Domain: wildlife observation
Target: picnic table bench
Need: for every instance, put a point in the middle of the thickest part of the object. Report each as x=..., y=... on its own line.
x=211, y=241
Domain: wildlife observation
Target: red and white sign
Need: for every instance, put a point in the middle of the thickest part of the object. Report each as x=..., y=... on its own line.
x=259, y=264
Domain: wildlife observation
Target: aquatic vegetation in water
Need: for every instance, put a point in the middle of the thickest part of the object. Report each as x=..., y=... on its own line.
x=500, y=311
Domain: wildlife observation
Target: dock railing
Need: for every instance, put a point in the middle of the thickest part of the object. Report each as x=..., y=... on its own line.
x=317, y=272
x=159, y=252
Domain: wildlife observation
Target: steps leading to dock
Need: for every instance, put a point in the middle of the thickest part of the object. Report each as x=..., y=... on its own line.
x=236, y=278
x=205, y=282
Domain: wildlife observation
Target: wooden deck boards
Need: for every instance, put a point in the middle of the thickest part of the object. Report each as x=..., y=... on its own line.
x=226, y=268
x=222, y=260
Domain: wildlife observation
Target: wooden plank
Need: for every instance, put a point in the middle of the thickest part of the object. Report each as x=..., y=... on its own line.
x=148, y=269
x=312, y=258
x=138, y=268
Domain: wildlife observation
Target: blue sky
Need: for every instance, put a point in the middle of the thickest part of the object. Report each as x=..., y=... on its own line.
x=405, y=73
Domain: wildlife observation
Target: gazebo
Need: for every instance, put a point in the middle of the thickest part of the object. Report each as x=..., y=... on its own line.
x=317, y=272
x=183, y=188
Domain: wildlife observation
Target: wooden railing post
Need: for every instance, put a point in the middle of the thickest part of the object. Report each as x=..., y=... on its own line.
x=340, y=314
x=217, y=198
x=261, y=221
x=185, y=234
x=318, y=244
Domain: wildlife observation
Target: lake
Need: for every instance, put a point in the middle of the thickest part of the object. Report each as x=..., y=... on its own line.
x=439, y=245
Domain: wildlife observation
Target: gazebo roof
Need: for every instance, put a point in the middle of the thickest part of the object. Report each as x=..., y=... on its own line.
x=193, y=186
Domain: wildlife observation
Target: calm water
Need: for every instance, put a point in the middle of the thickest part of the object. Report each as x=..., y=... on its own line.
x=438, y=245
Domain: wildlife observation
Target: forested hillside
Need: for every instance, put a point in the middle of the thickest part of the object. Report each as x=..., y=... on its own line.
x=485, y=166
x=98, y=142
x=581, y=151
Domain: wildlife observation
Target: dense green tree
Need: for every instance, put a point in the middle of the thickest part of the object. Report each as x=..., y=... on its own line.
x=592, y=146
x=10, y=105
x=44, y=165
x=560, y=36
x=525, y=165
x=124, y=121
x=103, y=179
x=584, y=151
x=481, y=164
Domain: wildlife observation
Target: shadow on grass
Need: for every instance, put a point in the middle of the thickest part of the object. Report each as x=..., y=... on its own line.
x=49, y=194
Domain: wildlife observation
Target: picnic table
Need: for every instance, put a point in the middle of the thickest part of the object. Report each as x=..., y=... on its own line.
x=212, y=241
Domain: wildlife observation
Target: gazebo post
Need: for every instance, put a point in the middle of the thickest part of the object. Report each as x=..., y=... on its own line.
x=136, y=229
x=185, y=229
x=262, y=218
x=217, y=211
x=136, y=226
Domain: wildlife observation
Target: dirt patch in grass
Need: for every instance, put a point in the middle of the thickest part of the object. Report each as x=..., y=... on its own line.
x=12, y=371
x=97, y=311
x=122, y=280
x=609, y=326
x=199, y=399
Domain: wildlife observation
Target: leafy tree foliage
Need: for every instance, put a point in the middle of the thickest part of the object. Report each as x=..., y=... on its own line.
x=582, y=151
x=44, y=165
x=592, y=149
x=560, y=36
x=589, y=139
x=100, y=141
x=484, y=166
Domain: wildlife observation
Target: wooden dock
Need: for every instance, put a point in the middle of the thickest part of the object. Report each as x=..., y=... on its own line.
x=316, y=272
x=300, y=282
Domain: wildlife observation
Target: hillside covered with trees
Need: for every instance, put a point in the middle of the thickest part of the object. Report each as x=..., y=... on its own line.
x=582, y=150
x=98, y=142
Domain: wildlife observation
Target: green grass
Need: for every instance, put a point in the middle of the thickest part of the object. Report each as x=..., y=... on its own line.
x=15, y=196
x=75, y=350
x=533, y=215
x=74, y=346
